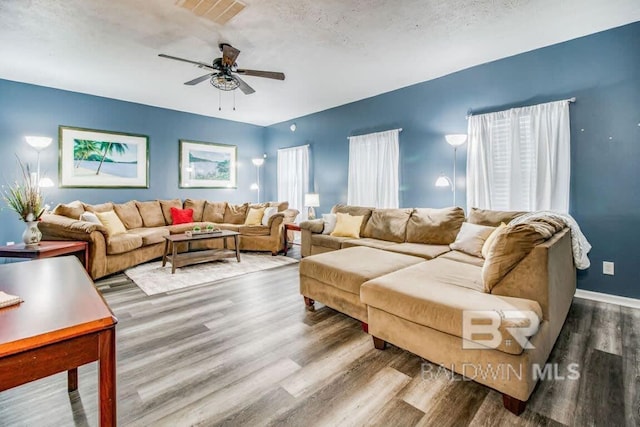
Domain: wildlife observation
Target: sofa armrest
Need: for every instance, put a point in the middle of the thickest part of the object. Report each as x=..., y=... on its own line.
x=314, y=225
x=61, y=226
x=275, y=220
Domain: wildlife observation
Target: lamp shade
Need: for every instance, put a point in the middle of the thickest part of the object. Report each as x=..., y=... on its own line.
x=312, y=200
x=443, y=181
x=45, y=182
x=456, y=139
x=258, y=162
x=38, y=142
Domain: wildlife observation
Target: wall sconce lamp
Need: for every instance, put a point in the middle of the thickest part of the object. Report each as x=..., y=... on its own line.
x=311, y=200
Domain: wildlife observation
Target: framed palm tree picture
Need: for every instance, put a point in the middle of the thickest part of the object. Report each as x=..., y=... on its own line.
x=97, y=158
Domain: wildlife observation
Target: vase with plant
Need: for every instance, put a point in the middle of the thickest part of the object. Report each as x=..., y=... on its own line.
x=25, y=199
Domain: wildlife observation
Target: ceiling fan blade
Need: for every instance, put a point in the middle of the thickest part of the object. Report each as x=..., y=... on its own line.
x=229, y=54
x=199, y=64
x=244, y=87
x=258, y=73
x=198, y=80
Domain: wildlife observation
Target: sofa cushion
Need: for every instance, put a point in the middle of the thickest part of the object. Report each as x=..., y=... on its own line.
x=90, y=217
x=181, y=216
x=197, y=206
x=492, y=237
x=511, y=244
x=122, y=243
x=471, y=238
x=365, y=212
x=347, y=226
x=214, y=212
x=235, y=214
x=254, y=230
x=166, y=206
x=490, y=217
x=462, y=257
x=368, y=242
x=436, y=293
x=328, y=241
x=181, y=228
x=388, y=224
x=128, y=214
x=71, y=210
x=434, y=226
x=282, y=206
x=349, y=268
x=150, y=236
x=111, y=222
x=103, y=207
x=419, y=249
x=151, y=213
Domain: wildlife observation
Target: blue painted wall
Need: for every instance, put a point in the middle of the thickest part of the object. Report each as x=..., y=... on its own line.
x=35, y=110
x=601, y=70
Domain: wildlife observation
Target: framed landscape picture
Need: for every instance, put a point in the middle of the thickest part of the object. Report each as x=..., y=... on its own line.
x=98, y=158
x=207, y=165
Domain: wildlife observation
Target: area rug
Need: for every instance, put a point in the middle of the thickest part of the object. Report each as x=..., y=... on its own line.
x=153, y=279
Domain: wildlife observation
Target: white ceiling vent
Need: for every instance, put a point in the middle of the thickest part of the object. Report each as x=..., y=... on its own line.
x=218, y=11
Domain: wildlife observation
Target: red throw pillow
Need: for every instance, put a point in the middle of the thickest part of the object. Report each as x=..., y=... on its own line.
x=181, y=216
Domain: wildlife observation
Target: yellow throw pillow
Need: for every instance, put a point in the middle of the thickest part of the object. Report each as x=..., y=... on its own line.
x=347, y=225
x=490, y=240
x=254, y=217
x=111, y=222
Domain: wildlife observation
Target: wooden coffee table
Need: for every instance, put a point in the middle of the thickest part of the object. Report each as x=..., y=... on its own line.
x=48, y=249
x=195, y=257
x=63, y=323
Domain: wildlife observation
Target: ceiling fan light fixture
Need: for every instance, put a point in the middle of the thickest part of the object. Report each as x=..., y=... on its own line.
x=222, y=82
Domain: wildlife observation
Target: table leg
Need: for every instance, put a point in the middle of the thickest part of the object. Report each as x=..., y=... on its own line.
x=235, y=240
x=164, y=254
x=72, y=379
x=286, y=242
x=107, y=377
x=174, y=253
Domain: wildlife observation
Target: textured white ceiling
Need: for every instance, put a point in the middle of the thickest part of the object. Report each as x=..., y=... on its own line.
x=332, y=51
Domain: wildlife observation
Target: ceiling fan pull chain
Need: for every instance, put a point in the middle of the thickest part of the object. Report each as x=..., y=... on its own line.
x=234, y=100
x=219, y=100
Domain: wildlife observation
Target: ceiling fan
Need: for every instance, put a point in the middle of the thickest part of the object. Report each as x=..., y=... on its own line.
x=224, y=71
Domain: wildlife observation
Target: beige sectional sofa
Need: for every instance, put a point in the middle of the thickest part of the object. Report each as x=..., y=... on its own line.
x=148, y=222
x=408, y=288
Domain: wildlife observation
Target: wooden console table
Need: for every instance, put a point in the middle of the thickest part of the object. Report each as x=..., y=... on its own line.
x=48, y=249
x=63, y=323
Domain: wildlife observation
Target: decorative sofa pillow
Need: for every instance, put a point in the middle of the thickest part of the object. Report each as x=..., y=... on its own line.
x=354, y=211
x=111, y=222
x=181, y=216
x=254, y=217
x=90, y=217
x=434, y=226
x=70, y=210
x=471, y=238
x=268, y=213
x=347, y=225
x=329, y=221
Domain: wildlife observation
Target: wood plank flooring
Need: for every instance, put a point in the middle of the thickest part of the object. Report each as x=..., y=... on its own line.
x=244, y=351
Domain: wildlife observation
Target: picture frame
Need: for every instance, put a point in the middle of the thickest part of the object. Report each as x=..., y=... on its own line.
x=91, y=158
x=207, y=165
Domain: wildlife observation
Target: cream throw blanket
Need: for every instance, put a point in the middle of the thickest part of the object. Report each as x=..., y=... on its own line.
x=579, y=243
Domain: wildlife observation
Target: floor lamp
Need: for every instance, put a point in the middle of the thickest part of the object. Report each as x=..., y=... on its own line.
x=39, y=143
x=257, y=162
x=455, y=140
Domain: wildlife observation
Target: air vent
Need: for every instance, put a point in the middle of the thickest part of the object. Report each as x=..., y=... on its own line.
x=218, y=11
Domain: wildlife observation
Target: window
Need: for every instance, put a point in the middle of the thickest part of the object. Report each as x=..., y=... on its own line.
x=293, y=177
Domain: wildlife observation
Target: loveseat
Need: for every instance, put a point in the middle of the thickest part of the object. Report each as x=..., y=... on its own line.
x=412, y=281
x=146, y=223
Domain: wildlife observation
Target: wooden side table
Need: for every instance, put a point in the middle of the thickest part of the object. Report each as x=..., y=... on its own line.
x=49, y=249
x=289, y=226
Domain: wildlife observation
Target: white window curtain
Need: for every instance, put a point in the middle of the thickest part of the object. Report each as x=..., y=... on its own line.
x=519, y=159
x=293, y=177
x=373, y=169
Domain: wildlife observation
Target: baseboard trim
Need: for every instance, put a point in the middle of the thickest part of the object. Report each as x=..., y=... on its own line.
x=608, y=298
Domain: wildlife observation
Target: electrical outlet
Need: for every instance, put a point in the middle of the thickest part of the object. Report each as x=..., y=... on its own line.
x=11, y=243
x=608, y=268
